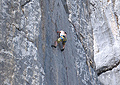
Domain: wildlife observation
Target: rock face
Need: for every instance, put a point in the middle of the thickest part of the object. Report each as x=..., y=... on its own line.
x=105, y=19
x=28, y=29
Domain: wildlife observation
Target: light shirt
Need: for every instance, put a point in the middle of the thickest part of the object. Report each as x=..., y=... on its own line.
x=62, y=33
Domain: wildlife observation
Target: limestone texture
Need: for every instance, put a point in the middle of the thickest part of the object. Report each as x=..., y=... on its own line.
x=28, y=28
x=105, y=19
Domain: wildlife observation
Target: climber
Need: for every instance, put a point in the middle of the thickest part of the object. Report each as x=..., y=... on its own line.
x=62, y=38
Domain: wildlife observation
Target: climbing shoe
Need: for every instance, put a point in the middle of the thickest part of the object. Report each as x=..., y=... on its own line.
x=53, y=46
x=62, y=49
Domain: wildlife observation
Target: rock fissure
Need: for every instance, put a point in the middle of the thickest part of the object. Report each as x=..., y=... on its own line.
x=64, y=2
x=107, y=68
x=94, y=7
x=93, y=4
x=22, y=31
x=26, y=3
x=77, y=33
x=15, y=26
x=89, y=61
x=117, y=19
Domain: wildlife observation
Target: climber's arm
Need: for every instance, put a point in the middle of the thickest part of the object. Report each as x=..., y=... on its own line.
x=58, y=32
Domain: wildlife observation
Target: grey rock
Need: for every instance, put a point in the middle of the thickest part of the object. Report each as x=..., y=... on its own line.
x=105, y=24
x=27, y=31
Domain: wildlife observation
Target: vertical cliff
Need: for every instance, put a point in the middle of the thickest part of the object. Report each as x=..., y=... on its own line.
x=105, y=19
x=28, y=29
